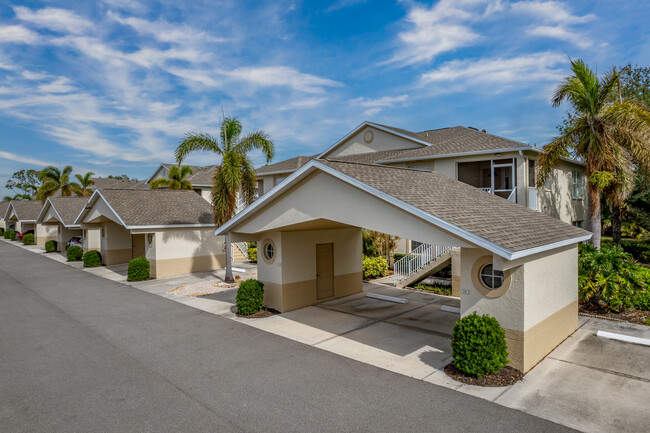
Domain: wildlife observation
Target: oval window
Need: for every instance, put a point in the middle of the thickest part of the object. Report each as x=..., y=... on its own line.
x=269, y=251
x=491, y=278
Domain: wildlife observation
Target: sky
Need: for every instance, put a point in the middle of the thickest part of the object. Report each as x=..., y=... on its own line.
x=112, y=86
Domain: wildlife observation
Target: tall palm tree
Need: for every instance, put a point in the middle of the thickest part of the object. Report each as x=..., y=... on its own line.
x=85, y=182
x=55, y=180
x=607, y=136
x=234, y=174
x=175, y=178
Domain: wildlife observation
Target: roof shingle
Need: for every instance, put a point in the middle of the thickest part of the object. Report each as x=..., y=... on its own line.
x=26, y=210
x=68, y=208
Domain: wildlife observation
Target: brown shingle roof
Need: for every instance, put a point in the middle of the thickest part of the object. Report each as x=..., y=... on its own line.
x=369, y=157
x=159, y=207
x=488, y=216
x=3, y=208
x=104, y=182
x=202, y=176
x=290, y=164
x=26, y=210
x=68, y=208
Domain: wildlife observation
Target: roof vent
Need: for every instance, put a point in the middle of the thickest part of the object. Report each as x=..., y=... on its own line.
x=483, y=130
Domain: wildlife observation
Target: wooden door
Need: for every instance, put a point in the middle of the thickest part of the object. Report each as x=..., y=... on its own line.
x=137, y=248
x=324, y=271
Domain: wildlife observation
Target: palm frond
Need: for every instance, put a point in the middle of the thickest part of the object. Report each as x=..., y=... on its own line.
x=161, y=182
x=256, y=140
x=196, y=142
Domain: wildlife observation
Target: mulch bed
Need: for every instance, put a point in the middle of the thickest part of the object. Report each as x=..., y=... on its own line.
x=265, y=312
x=505, y=377
x=632, y=315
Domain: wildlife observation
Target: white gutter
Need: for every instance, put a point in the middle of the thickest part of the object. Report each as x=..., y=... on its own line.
x=451, y=155
x=270, y=173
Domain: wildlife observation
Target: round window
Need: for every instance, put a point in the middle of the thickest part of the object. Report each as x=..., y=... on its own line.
x=269, y=251
x=491, y=278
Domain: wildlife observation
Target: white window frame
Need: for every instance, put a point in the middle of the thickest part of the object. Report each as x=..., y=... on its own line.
x=494, y=275
x=577, y=185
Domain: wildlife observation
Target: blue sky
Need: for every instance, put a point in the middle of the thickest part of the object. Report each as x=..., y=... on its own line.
x=111, y=86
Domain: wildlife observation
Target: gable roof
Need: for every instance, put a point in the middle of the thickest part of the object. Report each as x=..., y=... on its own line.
x=104, y=182
x=507, y=229
x=67, y=208
x=25, y=210
x=3, y=209
x=202, y=176
x=286, y=166
x=154, y=208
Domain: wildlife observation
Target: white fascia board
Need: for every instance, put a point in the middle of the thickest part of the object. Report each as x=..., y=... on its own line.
x=547, y=247
x=154, y=173
x=87, y=207
x=271, y=173
x=374, y=125
x=41, y=214
x=563, y=158
x=89, y=203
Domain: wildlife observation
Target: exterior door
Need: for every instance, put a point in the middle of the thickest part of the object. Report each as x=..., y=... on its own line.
x=324, y=271
x=137, y=248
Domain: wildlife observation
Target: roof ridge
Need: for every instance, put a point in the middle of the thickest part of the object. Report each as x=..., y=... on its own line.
x=393, y=167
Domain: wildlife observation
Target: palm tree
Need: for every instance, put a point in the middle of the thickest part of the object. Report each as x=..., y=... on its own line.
x=55, y=180
x=234, y=174
x=608, y=136
x=85, y=182
x=175, y=179
x=17, y=197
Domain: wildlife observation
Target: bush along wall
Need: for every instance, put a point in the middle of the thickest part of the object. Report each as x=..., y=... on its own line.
x=250, y=297
x=51, y=246
x=252, y=254
x=5, y=234
x=374, y=267
x=28, y=239
x=74, y=253
x=138, y=270
x=11, y=235
x=2, y=231
x=479, y=345
x=92, y=259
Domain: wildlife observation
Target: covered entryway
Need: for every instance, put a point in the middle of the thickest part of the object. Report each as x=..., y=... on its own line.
x=508, y=255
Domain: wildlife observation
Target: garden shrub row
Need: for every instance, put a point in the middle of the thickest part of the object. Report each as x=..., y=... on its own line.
x=250, y=297
x=374, y=267
x=138, y=270
x=28, y=239
x=51, y=246
x=10, y=234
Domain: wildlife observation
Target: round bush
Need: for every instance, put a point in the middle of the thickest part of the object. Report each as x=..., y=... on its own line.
x=10, y=234
x=479, y=345
x=51, y=246
x=374, y=267
x=250, y=297
x=138, y=269
x=92, y=259
x=74, y=253
x=28, y=239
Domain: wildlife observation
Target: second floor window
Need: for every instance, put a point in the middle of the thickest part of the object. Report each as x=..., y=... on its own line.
x=577, y=184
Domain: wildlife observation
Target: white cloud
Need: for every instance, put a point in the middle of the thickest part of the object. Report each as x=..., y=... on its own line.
x=303, y=104
x=341, y=4
x=561, y=33
x=266, y=76
x=375, y=105
x=17, y=34
x=556, y=20
x=31, y=75
x=498, y=74
x=61, y=20
x=25, y=159
x=59, y=85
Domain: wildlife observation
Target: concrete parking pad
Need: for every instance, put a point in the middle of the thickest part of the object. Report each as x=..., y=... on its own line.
x=360, y=305
x=429, y=318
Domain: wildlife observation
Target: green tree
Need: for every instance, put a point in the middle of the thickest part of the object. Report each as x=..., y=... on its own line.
x=84, y=184
x=234, y=174
x=24, y=183
x=123, y=177
x=610, y=137
x=175, y=179
x=55, y=180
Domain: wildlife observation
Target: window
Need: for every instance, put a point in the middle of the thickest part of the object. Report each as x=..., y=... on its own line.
x=577, y=187
x=578, y=223
x=278, y=179
x=491, y=278
x=531, y=174
x=269, y=251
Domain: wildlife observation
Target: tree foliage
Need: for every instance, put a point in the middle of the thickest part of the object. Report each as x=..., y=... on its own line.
x=83, y=185
x=56, y=180
x=176, y=179
x=24, y=183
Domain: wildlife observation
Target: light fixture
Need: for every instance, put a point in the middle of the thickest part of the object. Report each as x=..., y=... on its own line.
x=497, y=154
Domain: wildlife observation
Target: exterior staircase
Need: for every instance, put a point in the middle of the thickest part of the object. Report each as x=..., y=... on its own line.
x=420, y=263
x=240, y=252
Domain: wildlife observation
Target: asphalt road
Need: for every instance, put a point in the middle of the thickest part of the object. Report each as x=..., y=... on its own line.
x=79, y=353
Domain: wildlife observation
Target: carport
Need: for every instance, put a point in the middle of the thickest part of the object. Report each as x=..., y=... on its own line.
x=56, y=220
x=21, y=215
x=515, y=264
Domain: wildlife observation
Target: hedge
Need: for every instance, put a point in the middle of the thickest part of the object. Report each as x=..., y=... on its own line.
x=10, y=234
x=92, y=259
x=74, y=253
x=138, y=270
x=250, y=297
x=51, y=246
x=374, y=267
x=28, y=239
x=252, y=254
x=479, y=345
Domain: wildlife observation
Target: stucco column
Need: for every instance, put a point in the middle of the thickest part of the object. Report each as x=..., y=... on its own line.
x=522, y=192
x=455, y=272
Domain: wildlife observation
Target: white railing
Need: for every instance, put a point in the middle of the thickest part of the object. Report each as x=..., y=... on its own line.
x=243, y=247
x=513, y=196
x=416, y=260
x=488, y=189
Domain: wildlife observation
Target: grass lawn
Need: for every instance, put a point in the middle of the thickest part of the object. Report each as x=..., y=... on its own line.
x=434, y=288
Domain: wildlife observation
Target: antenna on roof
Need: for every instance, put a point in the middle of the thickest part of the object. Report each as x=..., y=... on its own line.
x=471, y=127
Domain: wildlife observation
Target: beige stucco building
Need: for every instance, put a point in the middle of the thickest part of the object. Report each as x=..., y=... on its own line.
x=174, y=230
x=3, y=210
x=56, y=221
x=512, y=262
x=21, y=215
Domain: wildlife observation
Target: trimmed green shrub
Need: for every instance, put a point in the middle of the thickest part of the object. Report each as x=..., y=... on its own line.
x=92, y=259
x=138, y=270
x=610, y=277
x=479, y=345
x=398, y=256
x=74, y=253
x=250, y=297
x=28, y=239
x=10, y=234
x=6, y=234
x=374, y=267
x=252, y=254
x=51, y=246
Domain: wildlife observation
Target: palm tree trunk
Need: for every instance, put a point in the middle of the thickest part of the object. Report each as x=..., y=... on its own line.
x=616, y=224
x=594, y=224
x=229, y=278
